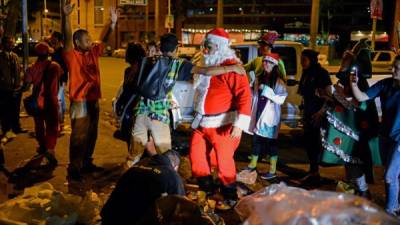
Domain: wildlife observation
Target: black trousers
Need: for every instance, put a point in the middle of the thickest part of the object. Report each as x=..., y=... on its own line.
x=16, y=109
x=264, y=145
x=312, y=143
x=83, y=136
x=6, y=110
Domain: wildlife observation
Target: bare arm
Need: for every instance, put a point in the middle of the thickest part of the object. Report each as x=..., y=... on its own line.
x=111, y=27
x=67, y=29
x=218, y=70
x=358, y=94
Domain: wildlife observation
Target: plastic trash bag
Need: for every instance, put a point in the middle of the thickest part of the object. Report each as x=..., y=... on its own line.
x=279, y=204
x=41, y=204
x=247, y=176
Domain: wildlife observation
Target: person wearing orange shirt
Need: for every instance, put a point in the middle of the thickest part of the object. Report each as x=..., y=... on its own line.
x=81, y=56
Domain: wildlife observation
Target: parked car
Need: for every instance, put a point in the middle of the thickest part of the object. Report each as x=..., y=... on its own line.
x=119, y=53
x=382, y=59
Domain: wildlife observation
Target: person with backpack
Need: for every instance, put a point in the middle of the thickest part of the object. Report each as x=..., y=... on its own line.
x=152, y=111
x=158, y=75
x=128, y=93
x=10, y=84
x=45, y=74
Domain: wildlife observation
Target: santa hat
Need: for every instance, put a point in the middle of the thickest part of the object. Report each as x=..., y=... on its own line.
x=268, y=38
x=272, y=58
x=218, y=36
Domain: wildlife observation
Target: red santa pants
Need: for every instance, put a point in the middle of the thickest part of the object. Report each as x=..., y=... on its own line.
x=204, y=140
x=46, y=128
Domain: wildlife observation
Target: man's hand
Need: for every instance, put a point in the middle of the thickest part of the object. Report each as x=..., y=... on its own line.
x=113, y=15
x=68, y=7
x=236, y=69
x=236, y=132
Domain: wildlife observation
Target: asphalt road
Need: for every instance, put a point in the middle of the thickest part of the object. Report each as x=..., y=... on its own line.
x=111, y=152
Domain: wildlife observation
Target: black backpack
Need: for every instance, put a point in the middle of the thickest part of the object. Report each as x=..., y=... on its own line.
x=152, y=77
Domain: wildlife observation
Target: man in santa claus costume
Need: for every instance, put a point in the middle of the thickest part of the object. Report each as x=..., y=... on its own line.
x=223, y=108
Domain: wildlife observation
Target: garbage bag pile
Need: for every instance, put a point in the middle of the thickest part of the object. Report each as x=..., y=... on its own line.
x=279, y=204
x=42, y=204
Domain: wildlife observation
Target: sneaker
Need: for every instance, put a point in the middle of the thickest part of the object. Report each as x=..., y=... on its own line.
x=91, y=168
x=225, y=205
x=268, y=176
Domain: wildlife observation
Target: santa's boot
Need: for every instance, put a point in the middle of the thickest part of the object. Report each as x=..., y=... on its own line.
x=206, y=184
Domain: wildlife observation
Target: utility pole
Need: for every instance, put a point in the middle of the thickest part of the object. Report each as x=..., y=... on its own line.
x=156, y=18
x=220, y=13
x=169, y=14
x=146, y=21
x=314, y=24
x=395, y=42
x=25, y=33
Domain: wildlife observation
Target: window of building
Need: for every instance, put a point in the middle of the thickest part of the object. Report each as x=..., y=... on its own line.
x=98, y=12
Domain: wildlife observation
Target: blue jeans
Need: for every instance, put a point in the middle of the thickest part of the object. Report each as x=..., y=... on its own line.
x=392, y=175
x=62, y=103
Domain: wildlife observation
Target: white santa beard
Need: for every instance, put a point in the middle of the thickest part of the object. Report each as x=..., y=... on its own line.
x=222, y=54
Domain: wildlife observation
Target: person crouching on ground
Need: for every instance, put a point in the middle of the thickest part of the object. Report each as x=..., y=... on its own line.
x=223, y=110
x=270, y=93
x=45, y=75
x=139, y=188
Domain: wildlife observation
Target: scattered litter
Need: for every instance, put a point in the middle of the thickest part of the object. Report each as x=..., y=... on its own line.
x=279, y=204
x=44, y=205
x=247, y=176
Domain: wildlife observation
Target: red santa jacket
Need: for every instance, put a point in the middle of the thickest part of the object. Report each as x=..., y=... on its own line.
x=223, y=99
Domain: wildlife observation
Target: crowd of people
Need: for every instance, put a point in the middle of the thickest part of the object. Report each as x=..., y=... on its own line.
x=340, y=120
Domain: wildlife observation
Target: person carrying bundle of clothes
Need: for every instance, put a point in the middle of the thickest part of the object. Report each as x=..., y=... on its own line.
x=269, y=94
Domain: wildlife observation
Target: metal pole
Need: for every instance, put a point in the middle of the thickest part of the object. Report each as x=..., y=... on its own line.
x=373, y=34
x=25, y=33
x=45, y=17
x=146, y=21
x=395, y=36
x=169, y=14
x=156, y=15
x=220, y=13
x=314, y=24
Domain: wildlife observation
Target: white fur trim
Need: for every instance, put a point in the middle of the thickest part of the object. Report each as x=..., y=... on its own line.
x=201, y=86
x=217, y=39
x=270, y=59
x=242, y=121
x=219, y=120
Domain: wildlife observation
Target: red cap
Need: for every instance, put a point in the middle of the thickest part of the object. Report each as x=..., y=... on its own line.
x=268, y=38
x=42, y=48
